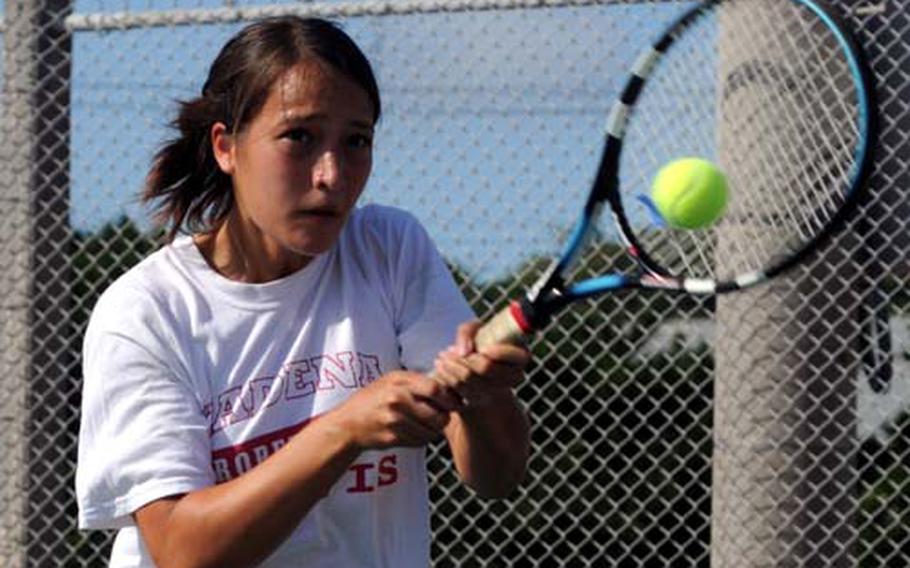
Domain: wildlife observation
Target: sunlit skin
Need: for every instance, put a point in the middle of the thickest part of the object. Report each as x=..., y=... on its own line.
x=298, y=168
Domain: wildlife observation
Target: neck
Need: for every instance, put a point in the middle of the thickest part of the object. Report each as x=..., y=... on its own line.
x=246, y=254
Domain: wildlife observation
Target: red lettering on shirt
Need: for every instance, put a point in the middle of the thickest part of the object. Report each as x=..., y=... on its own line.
x=302, y=378
x=227, y=404
x=242, y=403
x=360, y=477
x=369, y=369
x=233, y=461
x=335, y=370
x=388, y=469
x=365, y=480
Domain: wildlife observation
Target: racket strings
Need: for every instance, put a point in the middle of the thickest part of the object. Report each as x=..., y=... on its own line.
x=775, y=105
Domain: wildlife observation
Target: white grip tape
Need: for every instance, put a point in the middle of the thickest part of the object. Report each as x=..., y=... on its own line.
x=501, y=329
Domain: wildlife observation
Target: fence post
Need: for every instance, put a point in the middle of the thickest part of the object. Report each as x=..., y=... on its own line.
x=34, y=280
x=786, y=361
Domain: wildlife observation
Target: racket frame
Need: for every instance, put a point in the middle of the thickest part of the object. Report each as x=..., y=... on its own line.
x=551, y=293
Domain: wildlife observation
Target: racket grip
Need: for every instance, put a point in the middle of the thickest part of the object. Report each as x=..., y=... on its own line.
x=509, y=325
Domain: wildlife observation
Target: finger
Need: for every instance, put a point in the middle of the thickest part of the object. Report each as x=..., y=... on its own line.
x=408, y=431
x=486, y=373
x=437, y=392
x=493, y=375
x=476, y=373
x=476, y=369
x=481, y=385
x=413, y=418
x=464, y=337
x=451, y=370
x=445, y=380
x=474, y=386
x=457, y=377
x=412, y=403
x=425, y=415
x=507, y=354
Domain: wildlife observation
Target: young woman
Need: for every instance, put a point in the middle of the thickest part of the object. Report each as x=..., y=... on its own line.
x=256, y=391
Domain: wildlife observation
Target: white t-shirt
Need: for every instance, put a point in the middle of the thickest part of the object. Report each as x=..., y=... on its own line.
x=192, y=379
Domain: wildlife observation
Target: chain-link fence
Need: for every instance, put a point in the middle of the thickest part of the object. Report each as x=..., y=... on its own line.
x=484, y=99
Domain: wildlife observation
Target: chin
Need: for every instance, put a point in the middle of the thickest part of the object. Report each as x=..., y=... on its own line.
x=311, y=247
x=312, y=241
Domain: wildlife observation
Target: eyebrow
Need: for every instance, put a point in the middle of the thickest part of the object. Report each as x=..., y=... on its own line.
x=293, y=116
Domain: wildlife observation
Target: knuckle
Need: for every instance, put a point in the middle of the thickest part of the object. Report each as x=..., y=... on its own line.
x=436, y=388
x=482, y=366
x=388, y=419
x=394, y=398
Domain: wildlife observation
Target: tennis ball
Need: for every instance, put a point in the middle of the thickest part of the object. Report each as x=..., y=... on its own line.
x=689, y=193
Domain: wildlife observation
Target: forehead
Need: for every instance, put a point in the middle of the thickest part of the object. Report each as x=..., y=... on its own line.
x=315, y=88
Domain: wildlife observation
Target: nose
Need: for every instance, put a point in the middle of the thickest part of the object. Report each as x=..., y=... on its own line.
x=327, y=170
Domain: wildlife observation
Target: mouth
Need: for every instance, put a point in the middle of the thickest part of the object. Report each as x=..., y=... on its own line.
x=320, y=212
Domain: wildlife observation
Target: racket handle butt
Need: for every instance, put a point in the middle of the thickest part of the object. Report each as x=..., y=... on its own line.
x=509, y=325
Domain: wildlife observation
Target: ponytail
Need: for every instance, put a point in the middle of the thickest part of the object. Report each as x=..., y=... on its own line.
x=188, y=189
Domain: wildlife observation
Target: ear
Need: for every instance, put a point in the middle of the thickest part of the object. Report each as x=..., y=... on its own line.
x=223, y=147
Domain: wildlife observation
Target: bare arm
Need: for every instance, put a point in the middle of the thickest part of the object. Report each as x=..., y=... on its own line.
x=490, y=436
x=241, y=522
x=490, y=446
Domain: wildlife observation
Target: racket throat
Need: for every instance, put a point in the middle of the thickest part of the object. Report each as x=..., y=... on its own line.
x=549, y=281
x=537, y=315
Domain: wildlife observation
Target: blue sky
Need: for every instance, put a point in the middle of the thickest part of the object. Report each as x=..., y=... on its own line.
x=490, y=135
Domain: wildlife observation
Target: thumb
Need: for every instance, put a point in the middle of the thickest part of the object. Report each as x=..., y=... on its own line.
x=464, y=338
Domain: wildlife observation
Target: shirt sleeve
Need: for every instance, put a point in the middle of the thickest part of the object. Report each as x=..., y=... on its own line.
x=143, y=433
x=428, y=304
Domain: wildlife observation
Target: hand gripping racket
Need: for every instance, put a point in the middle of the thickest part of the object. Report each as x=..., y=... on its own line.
x=777, y=93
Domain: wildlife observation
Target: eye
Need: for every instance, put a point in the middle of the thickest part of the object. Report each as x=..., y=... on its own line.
x=298, y=135
x=360, y=141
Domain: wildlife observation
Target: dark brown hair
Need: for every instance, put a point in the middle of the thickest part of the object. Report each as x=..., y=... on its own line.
x=185, y=185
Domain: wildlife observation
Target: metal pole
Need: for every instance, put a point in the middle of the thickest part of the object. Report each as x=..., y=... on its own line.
x=784, y=418
x=17, y=151
x=34, y=236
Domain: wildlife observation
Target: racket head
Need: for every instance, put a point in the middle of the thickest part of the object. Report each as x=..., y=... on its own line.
x=778, y=94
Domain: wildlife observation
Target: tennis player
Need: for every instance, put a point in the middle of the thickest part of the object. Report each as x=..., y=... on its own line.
x=256, y=391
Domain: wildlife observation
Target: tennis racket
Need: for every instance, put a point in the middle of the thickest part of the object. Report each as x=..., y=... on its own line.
x=778, y=94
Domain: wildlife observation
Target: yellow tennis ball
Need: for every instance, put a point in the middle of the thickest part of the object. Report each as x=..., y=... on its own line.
x=689, y=193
